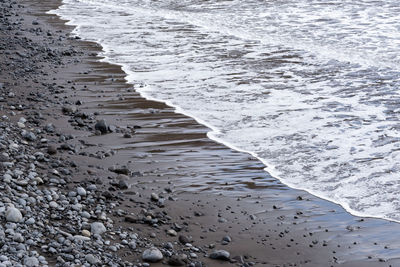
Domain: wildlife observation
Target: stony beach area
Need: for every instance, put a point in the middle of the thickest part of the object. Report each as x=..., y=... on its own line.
x=92, y=174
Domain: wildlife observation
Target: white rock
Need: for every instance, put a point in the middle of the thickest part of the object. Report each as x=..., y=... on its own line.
x=31, y=262
x=13, y=215
x=97, y=228
x=152, y=255
x=81, y=191
x=53, y=204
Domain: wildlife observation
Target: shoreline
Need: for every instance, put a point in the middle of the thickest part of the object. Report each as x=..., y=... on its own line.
x=261, y=226
x=213, y=132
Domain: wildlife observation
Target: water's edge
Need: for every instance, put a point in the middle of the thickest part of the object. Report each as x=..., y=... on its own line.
x=214, y=132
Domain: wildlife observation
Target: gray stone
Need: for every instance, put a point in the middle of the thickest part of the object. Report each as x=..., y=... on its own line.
x=101, y=126
x=226, y=240
x=29, y=136
x=85, y=214
x=52, y=150
x=18, y=238
x=92, y=259
x=53, y=204
x=69, y=109
x=81, y=191
x=176, y=260
x=49, y=128
x=31, y=262
x=220, y=255
x=97, y=228
x=81, y=238
x=30, y=221
x=154, y=197
x=132, y=244
x=152, y=255
x=13, y=215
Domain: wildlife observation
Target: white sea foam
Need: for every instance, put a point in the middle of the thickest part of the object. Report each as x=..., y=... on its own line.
x=308, y=87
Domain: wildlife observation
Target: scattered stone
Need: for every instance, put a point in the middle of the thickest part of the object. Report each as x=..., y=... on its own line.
x=226, y=240
x=69, y=110
x=97, y=228
x=152, y=255
x=13, y=215
x=52, y=150
x=184, y=239
x=120, y=170
x=220, y=255
x=171, y=232
x=31, y=262
x=176, y=260
x=154, y=197
x=101, y=126
x=92, y=259
x=86, y=233
x=81, y=191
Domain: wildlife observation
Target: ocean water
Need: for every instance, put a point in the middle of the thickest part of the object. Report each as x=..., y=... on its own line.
x=310, y=87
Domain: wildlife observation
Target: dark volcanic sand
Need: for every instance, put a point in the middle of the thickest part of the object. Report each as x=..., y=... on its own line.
x=209, y=190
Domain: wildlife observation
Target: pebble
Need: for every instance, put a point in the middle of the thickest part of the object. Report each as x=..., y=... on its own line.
x=30, y=221
x=226, y=240
x=81, y=191
x=184, y=239
x=101, y=126
x=52, y=150
x=53, y=204
x=97, y=228
x=85, y=233
x=31, y=262
x=176, y=260
x=92, y=259
x=13, y=215
x=152, y=255
x=171, y=232
x=220, y=255
x=154, y=197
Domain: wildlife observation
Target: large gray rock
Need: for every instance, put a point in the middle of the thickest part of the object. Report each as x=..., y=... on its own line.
x=13, y=215
x=152, y=255
x=97, y=228
x=220, y=255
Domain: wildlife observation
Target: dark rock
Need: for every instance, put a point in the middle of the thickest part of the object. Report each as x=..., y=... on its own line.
x=69, y=109
x=198, y=213
x=184, y=239
x=101, y=126
x=108, y=195
x=120, y=170
x=123, y=184
x=49, y=128
x=131, y=219
x=175, y=260
x=51, y=150
x=220, y=255
x=226, y=240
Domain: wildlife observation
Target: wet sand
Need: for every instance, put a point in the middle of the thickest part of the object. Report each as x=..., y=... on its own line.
x=211, y=191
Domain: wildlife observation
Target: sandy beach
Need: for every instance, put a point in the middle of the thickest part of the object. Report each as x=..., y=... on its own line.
x=89, y=150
